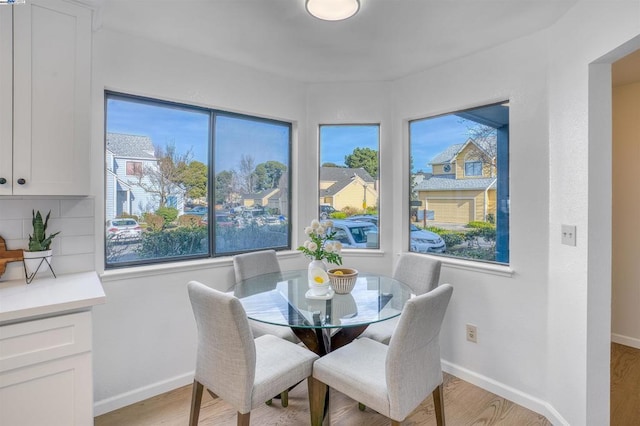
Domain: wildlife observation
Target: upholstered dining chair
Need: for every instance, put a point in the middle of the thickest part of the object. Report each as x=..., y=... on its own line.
x=249, y=265
x=390, y=379
x=421, y=274
x=234, y=366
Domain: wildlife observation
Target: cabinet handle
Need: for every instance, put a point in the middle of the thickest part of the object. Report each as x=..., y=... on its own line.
x=3, y=181
x=21, y=181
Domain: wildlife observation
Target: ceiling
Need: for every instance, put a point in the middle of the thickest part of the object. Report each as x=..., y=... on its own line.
x=386, y=40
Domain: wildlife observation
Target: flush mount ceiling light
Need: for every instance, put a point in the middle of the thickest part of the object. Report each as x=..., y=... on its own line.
x=333, y=10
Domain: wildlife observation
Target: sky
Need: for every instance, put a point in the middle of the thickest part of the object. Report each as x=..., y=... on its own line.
x=264, y=141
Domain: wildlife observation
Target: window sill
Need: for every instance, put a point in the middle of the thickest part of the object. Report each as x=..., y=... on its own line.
x=468, y=265
x=177, y=267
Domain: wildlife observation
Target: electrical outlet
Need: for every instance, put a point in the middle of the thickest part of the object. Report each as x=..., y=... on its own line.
x=568, y=235
x=472, y=333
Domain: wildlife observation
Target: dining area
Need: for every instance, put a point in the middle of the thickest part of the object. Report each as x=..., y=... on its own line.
x=377, y=343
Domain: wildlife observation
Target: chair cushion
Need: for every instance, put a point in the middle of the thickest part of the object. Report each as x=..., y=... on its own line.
x=381, y=331
x=358, y=370
x=279, y=365
x=260, y=329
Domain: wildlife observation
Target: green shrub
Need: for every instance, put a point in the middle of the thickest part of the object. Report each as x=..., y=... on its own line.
x=169, y=214
x=338, y=215
x=126, y=215
x=181, y=241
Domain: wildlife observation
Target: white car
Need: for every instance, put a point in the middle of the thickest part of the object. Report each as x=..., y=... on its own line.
x=426, y=241
x=355, y=234
x=123, y=229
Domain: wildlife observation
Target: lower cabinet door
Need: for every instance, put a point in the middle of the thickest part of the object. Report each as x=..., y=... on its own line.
x=50, y=393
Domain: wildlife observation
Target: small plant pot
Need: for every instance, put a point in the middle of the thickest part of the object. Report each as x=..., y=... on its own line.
x=35, y=260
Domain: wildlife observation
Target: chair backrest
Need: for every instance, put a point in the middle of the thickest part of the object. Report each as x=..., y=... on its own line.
x=413, y=367
x=419, y=272
x=248, y=265
x=226, y=360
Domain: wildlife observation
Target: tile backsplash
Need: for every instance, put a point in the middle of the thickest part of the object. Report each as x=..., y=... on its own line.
x=73, y=248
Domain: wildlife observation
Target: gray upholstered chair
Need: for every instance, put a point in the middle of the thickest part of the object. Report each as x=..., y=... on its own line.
x=419, y=272
x=249, y=265
x=391, y=379
x=234, y=366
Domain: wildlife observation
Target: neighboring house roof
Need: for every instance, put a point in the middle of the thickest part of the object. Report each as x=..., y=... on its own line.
x=337, y=174
x=131, y=146
x=342, y=176
x=487, y=145
x=448, y=155
x=449, y=183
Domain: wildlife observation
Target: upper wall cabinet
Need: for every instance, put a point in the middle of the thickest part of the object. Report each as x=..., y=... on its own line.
x=45, y=75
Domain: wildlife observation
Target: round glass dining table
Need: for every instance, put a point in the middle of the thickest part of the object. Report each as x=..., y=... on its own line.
x=322, y=323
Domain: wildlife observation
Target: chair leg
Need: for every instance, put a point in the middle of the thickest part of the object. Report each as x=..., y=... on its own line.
x=243, y=419
x=317, y=393
x=284, y=398
x=438, y=402
x=196, y=400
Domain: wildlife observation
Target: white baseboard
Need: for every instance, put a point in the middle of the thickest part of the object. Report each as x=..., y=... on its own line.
x=507, y=392
x=140, y=394
x=625, y=340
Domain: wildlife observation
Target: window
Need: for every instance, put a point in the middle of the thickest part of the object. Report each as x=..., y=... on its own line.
x=196, y=182
x=134, y=168
x=459, y=181
x=349, y=186
x=473, y=168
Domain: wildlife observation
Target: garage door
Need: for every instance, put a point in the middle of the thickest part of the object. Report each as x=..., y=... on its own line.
x=452, y=211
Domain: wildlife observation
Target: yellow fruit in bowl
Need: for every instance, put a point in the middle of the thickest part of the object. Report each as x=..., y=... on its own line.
x=338, y=273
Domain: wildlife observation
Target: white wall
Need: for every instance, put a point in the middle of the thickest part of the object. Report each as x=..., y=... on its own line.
x=625, y=316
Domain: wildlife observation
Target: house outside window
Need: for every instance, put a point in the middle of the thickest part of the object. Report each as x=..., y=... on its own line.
x=459, y=200
x=197, y=182
x=349, y=180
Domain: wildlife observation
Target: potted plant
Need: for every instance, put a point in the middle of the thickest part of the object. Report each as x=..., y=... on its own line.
x=39, y=244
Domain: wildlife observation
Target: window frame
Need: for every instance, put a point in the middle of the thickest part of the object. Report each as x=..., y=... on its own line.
x=213, y=114
x=502, y=183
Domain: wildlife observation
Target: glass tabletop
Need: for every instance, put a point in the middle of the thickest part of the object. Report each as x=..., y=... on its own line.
x=282, y=298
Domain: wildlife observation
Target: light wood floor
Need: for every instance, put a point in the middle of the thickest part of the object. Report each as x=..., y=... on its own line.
x=465, y=404
x=625, y=385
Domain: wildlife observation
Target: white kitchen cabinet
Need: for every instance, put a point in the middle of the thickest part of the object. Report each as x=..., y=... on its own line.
x=46, y=375
x=45, y=98
x=45, y=372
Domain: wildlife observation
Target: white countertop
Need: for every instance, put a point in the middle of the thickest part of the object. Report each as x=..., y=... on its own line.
x=49, y=296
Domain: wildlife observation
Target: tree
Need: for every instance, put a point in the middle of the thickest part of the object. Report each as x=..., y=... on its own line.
x=366, y=158
x=331, y=165
x=246, y=174
x=225, y=183
x=193, y=177
x=163, y=178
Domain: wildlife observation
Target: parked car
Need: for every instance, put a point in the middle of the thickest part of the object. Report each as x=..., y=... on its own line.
x=198, y=211
x=355, y=234
x=326, y=210
x=223, y=220
x=123, y=229
x=364, y=218
x=423, y=241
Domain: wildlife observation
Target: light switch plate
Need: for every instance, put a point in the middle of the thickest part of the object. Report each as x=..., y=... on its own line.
x=569, y=235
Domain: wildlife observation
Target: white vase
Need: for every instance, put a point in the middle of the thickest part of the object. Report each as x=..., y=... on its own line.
x=315, y=264
x=37, y=259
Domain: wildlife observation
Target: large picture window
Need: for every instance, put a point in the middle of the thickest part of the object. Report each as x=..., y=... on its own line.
x=459, y=181
x=349, y=182
x=184, y=182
